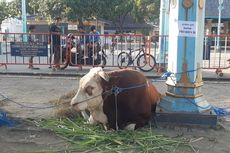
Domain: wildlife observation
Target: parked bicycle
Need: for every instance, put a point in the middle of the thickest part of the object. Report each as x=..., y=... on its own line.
x=145, y=61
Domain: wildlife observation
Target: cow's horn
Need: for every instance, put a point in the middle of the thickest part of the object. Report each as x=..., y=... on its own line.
x=104, y=75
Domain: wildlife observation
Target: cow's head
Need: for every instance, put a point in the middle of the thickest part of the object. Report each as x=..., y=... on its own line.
x=89, y=94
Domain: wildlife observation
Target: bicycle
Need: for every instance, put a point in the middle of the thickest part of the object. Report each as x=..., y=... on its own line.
x=145, y=61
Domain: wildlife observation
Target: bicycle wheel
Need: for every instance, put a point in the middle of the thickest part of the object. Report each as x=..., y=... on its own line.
x=123, y=60
x=146, y=62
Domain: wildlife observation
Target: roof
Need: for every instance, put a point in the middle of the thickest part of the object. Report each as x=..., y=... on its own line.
x=212, y=12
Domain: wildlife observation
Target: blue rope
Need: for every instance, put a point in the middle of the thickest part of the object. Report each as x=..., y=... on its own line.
x=168, y=73
x=117, y=90
x=5, y=121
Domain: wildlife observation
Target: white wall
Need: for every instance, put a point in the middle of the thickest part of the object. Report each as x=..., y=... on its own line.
x=11, y=25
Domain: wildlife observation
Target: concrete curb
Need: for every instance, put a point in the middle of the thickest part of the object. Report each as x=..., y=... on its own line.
x=66, y=74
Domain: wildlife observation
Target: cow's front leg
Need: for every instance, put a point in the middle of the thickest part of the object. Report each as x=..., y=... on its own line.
x=91, y=120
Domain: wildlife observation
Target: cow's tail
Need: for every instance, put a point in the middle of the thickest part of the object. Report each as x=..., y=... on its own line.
x=155, y=98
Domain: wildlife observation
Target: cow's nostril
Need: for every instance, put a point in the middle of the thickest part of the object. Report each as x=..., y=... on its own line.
x=75, y=107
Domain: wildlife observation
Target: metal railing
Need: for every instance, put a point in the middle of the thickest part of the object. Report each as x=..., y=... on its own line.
x=80, y=51
x=76, y=51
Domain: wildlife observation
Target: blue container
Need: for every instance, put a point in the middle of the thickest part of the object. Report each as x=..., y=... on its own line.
x=5, y=121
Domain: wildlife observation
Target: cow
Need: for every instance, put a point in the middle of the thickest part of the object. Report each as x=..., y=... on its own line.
x=128, y=109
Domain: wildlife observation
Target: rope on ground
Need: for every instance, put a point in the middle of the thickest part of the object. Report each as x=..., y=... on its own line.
x=5, y=98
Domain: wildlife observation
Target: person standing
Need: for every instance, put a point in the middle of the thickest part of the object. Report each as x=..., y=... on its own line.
x=31, y=39
x=94, y=39
x=84, y=41
x=94, y=35
x=55, y=31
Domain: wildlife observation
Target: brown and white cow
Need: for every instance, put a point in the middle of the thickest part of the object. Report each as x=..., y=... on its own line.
x=134, y=106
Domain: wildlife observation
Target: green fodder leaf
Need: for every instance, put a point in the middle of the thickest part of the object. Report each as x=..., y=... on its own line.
x=93, y=138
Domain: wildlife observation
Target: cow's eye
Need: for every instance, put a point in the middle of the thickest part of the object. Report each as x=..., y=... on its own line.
x=89, y=90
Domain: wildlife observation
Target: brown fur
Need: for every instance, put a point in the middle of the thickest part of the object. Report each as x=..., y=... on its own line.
x=134, y=105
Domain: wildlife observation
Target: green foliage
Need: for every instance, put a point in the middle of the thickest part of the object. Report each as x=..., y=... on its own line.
x=140, y=10
x=33, y=6
x=52, y=8
x=14, y=8
x=79, y=10
x=116, y=11
x=146, y=10
x=4, y=11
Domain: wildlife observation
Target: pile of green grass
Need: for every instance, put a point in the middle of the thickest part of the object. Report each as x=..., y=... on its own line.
x=90, y=138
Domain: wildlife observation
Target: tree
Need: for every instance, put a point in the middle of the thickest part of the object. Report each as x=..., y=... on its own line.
x=116, y=11
x=140, y=10
x=33, y=6
x=52, y=8
x=14, y=8
x=146, y=10
x=80, y=10
x=4, y=11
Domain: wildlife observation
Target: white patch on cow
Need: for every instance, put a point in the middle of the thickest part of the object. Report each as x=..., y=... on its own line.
x=104, y=76
x=93, y=101
x=91, y=120
x=130, y=127
x=85, y=115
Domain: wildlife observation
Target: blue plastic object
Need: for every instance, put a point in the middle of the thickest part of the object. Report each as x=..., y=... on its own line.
x=166, y=74
x=221, y=111
x=5, y=121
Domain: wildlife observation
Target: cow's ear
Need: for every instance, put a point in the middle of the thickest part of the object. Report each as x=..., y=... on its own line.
x=104, y=76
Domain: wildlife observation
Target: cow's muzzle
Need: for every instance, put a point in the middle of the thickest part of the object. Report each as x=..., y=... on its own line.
x=75, y=107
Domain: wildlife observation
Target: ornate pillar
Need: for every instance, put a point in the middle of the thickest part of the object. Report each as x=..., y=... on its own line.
x=186, y=35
